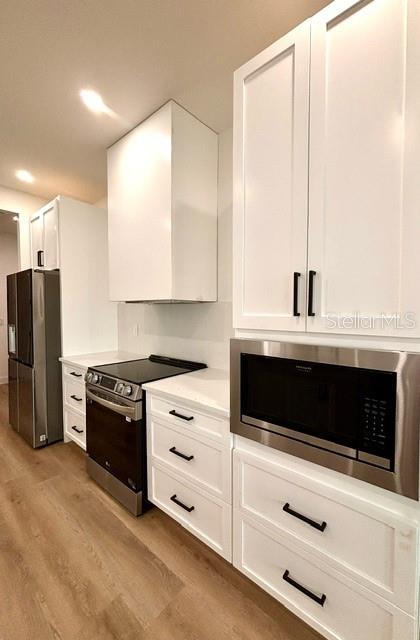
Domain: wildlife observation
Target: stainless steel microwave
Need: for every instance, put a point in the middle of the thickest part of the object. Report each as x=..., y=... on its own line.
x=355, y=411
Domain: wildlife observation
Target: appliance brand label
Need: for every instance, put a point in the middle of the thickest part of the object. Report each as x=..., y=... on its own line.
x=305, y=369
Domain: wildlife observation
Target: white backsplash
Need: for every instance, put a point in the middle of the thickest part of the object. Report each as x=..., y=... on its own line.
x=199, y=332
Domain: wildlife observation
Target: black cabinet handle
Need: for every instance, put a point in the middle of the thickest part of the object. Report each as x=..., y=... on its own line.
x=40, y=258
x=76, y=375
x=181, y=504
x=179, y=415
x=181, y=455
x=76, y=398
x=318, y=599
x=321, y=526
x=76, y=429
x=311, y=311
x=296, y=277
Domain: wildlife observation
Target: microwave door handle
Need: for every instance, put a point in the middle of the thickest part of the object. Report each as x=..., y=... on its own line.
x=128, y=412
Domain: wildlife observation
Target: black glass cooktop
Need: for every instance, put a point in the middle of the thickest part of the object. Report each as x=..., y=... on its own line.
x=148, y=369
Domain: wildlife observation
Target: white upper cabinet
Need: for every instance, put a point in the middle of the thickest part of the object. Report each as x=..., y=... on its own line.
x=355, y=240
x=78, y=233
x=364, y=221
x=270, y=185
x=44, y=237
x=162, y=210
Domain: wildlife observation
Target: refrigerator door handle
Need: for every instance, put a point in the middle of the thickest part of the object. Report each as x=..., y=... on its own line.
x=11, y=338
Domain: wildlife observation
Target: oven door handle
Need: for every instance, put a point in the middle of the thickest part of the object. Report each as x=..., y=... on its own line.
x=128, y=412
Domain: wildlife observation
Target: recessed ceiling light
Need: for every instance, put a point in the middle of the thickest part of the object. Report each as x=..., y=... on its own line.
x=24, y=175
x=93, y=101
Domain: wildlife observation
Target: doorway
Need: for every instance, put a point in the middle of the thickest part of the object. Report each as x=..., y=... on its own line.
x=9, y=263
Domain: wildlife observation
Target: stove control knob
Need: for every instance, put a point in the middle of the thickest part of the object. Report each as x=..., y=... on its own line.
x=128, y=390
x=120, y=388
x=95, y=378
x=89, y=376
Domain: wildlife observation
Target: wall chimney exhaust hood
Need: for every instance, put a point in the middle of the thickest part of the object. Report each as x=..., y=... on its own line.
x=162, y=210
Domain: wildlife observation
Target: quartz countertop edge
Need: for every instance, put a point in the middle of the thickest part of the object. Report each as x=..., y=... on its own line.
x=86, y=360
x=206, y=389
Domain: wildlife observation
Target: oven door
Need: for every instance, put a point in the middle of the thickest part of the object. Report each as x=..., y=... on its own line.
x=116, y=436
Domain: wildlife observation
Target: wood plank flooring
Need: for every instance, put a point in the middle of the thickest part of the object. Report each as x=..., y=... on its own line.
x=75, y=565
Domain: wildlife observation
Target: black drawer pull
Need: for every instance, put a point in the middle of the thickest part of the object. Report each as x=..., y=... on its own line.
x=76, y=398
x=76, y=429
x=179, y=415
x=181, y=504
x=321, y=526
x=181, y=455
x=40, y=258
x=311, y=311
x=318, y=599
x=76, y=375
x=296, y=277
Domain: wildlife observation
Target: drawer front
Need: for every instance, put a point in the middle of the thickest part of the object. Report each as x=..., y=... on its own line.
x=327, y=601
x=191, y=419
x=206, y=517
x=74, y=395
x=376, y=550
x=75, y=373
x=75, y=427
x=207, y=463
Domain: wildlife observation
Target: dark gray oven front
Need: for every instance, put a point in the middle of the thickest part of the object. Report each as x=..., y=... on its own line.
x=352, y=410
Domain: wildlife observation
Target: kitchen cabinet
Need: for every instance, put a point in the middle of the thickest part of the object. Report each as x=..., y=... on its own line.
x=270, y=186
x=354, y=152
x=328, y=552
x=162, y=210
x=44, y=237
x=189, y=461
x=72, y=236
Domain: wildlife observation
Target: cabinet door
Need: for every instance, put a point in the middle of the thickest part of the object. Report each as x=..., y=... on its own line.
x=363, y=186
x=270, y=185
x=51, y=236
x=139, y=211
x=37, y=241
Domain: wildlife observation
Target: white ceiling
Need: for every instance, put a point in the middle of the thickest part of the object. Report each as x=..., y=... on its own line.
x=137, y=54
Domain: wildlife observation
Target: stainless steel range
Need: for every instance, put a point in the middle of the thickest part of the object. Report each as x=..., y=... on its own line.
x=116, y=424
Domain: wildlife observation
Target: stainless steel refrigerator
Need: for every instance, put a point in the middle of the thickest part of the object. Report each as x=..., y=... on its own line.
x=34, y=344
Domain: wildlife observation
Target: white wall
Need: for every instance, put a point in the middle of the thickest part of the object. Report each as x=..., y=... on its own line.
x=8, y=264
x=198, y=332
x=24, y=204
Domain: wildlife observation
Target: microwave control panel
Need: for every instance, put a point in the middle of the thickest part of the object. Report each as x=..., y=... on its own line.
x=377, y=436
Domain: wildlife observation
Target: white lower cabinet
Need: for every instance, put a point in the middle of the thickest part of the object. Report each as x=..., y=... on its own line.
x=75, y=427
x=203, y=515
x=74, y=404
x=189, y=464
x=339, y=561
x=327, y=600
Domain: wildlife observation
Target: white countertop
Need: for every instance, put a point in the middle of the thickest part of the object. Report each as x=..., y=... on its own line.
x=87, y=360
x=206, y=388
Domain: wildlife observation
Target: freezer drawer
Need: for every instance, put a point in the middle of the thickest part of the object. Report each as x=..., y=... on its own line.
x=26, y=404
x=13, y=395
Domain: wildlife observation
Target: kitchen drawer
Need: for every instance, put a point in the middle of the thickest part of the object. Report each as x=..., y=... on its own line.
x=207, y=517
x=204, y=462
x=75, y=373
x=75, y=427
x=74, y=395
x=191, y=418
x=350, y=612
x=367, y=543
